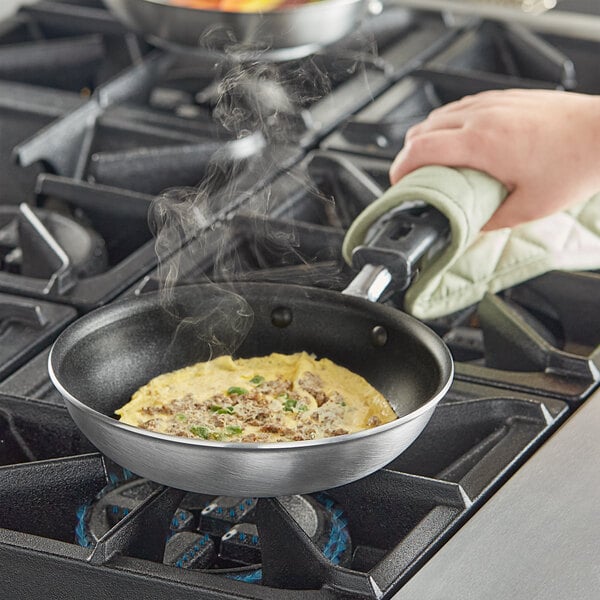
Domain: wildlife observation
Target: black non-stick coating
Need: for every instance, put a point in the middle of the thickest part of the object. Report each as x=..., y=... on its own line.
x=108, y=354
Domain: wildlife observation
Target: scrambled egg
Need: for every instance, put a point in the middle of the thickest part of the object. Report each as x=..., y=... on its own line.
x=273, y=398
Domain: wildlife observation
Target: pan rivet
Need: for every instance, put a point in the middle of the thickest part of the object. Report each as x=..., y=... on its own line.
x=379, y=336
x=281, y=316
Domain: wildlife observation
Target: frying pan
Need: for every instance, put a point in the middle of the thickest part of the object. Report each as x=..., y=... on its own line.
x=288, y=33
x=100, y=360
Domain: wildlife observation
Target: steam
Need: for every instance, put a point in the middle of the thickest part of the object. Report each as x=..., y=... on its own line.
x=262, y=108
x=253, y=98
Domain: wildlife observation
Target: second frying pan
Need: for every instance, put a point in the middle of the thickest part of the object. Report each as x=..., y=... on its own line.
x=99, y=361
x=286, y=33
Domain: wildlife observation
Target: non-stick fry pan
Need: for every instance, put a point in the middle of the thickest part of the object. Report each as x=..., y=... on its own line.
x=100, y=360
x=291, y=31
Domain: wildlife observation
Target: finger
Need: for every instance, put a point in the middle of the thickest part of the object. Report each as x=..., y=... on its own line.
x=436, y=122
x=480, y=98
x=454, y=114
x=489, y=99
x=450, y=148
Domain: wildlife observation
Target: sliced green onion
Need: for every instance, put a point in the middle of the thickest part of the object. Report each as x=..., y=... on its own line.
x=181, y=417
x=289, y=404
x=257, y=379
x=238, y=391
x=199, y=431
x=233, y=429
x=221, y=410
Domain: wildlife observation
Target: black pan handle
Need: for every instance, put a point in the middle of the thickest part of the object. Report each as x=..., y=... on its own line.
x=395, y=248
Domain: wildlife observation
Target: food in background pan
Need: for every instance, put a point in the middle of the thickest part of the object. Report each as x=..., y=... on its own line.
x=273, y=398
x=243, y=6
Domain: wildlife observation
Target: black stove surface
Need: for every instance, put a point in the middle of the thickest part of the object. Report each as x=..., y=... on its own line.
x=94, y=123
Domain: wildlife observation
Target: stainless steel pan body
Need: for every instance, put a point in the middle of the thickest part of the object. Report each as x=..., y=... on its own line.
x=304, y=28
x=100, y=360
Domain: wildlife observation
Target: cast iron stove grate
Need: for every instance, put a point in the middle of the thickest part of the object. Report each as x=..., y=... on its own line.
x=65, y=47
x=35, y=431
x=26, y=327
x=375, y=532
x=169, y=98
x=425, y=495
x=114, y=142
x=24, y=110
x=487, y=57
x=319, y=90
x=379, y=129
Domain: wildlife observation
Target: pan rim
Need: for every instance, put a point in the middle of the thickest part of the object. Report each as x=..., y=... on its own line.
x=261, y=446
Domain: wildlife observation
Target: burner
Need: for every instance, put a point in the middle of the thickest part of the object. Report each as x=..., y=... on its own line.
x=221, y=534
x=44, y=245
x=133, y=528
x=84, y=244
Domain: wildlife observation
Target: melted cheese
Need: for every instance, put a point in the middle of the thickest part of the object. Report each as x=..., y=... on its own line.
x=265, y=399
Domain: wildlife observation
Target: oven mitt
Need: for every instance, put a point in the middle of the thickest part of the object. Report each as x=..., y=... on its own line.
x=477, y=262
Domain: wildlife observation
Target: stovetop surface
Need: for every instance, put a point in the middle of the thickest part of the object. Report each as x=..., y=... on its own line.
x=94, y=124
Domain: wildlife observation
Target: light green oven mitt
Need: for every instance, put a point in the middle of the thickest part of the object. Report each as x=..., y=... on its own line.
x=477, y=262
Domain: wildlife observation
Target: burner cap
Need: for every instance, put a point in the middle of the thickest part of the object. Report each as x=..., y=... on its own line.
x=38, y=243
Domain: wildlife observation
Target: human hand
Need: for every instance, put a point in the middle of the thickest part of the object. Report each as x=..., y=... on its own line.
x=543, y=145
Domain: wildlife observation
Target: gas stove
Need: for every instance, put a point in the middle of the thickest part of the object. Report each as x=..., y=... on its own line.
x=94, y=124
x=67, y=504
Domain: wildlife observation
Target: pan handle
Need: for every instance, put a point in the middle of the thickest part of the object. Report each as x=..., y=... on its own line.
x=395, y=248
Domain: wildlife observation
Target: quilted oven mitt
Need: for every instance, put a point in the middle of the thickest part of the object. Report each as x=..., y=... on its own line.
x=477, y=262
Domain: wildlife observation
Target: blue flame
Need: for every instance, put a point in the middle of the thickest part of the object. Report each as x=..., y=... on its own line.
x=333, y=549
x=82, y=536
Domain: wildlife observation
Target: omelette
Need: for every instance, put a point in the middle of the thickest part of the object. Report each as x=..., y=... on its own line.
x=273, y=398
